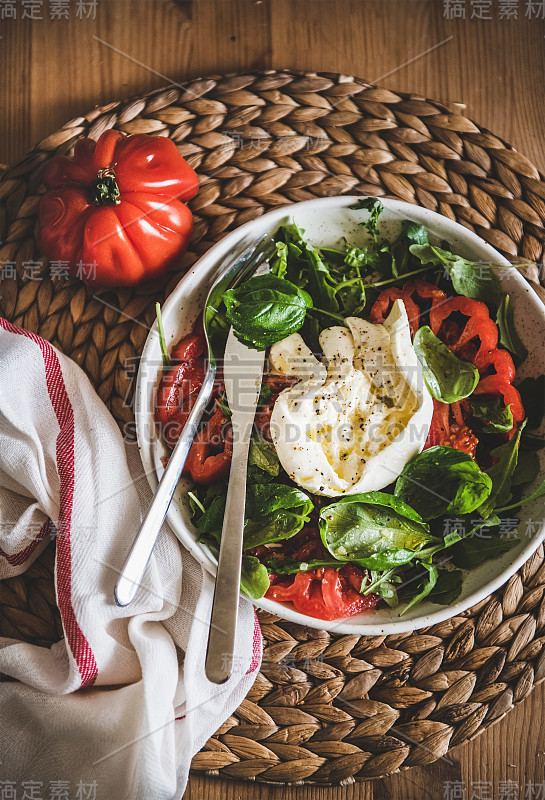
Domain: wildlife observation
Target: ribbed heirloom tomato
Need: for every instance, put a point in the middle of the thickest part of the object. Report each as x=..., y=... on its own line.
x=117, y=206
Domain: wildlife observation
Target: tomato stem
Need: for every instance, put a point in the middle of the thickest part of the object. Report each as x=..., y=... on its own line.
x=105, y=189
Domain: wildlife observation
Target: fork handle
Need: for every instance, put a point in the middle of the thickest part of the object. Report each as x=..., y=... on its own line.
x=139, y=555
x=223, y=623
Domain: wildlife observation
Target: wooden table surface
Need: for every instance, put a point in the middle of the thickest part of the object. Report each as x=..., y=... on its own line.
x=53, y=69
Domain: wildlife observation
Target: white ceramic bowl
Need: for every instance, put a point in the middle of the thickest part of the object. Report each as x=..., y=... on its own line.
x=326, y=221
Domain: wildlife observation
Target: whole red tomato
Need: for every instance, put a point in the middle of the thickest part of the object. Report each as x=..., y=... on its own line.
x=114, y=213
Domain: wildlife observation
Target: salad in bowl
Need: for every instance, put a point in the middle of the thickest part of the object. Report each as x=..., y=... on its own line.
x=394, y=441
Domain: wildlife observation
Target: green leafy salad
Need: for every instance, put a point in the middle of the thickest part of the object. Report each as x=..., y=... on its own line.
x=454, y=504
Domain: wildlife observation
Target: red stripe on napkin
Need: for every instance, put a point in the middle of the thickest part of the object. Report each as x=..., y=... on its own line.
x=257, y=646
x=22, y=555
x=64, y=412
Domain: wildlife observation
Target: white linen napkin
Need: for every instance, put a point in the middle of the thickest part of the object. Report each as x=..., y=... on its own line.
x=120, y=705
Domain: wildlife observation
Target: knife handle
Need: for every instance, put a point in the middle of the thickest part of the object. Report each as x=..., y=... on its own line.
x=139, y=555
x=223, y=624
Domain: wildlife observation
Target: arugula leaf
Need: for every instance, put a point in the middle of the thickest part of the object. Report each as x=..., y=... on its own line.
x=376, y=529
x=318, y=277
x=263, y=455
x=222, y=404
x=427, y=584
x=356, y=256
x=508, y=335
x=414, y=232
x=280, y=266
x=266, y=309
x=497, y=417
x=442, y=480
x=527, y=468
x=382, y=583
x=501, y=473
x=254, y=578
x=161, y=332
x=447, y=588
x=289, y=566
x=472, y=551
x=469, y=278
x=402, y=258
x=375, y=208
x=532, y=392
x=532, y=443
x=539, y=492
x=447, y=377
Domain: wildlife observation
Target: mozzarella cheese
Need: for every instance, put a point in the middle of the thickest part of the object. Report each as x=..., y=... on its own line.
x=352, y=422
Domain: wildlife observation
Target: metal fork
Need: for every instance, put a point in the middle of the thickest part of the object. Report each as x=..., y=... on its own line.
x=139, y=555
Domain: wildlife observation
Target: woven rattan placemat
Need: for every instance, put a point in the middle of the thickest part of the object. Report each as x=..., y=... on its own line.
x=325, y=708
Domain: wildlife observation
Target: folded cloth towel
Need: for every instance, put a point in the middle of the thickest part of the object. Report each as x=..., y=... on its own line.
x=120, y=705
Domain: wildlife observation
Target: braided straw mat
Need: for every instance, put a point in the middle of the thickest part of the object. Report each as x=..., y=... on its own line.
x=325, y=708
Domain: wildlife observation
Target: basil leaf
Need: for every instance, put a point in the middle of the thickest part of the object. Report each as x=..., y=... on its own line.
x=273, y=512
x=501, y=473
x=264, y=498
x=508, y=335
x=263, y=455
x=254, y=578
x=442, y=480
x=274, y=527
x=469, y=278
x=373, y=528
x=498, y=418
x=211, y=520
x=532, y=392
x=447, y=377
x=265, y=309
x=447, y=588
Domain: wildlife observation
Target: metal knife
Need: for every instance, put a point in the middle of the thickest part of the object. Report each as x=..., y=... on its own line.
x=243, y=372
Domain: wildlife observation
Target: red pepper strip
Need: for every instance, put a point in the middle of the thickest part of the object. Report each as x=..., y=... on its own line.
x=324, y=593
x=461, y=339
x=179, y=387
x=332, y=592
x=474, y=340
x=495, y=365
x=457, y=411
x=439, y=427
x=496, y=362
x=209, y=459
x=424, y=290
x=305, y=594
x=384, y=302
